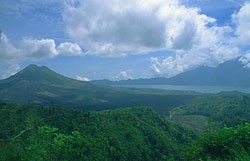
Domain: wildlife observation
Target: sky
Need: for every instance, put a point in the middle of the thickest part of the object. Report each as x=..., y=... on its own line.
x=122, y=39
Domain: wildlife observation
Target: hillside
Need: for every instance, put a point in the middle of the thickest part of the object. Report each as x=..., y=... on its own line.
x=222, y=109
x=53, y=133
x=230, y=73
x=42, y=86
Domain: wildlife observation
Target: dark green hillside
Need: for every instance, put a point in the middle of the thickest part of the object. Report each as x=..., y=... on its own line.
x=226, y=144
x=42, y=86
x=53, y=133
x=225, y=108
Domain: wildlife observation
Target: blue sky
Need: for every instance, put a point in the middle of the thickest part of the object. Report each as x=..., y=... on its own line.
x=129, y=39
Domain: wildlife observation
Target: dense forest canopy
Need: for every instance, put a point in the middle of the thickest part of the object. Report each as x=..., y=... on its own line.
x=54, y=133
x=222, y=109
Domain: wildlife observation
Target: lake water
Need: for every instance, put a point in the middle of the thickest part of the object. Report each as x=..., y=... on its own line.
x=202, y=89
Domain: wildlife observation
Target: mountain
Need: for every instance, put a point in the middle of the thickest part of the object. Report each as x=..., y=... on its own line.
x=230, y=73
x=42, y=86
x=40, y=75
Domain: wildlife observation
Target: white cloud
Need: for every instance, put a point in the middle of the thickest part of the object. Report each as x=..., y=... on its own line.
x=82, y=78
x=212, y=49
x=7, y=50
x=69, y=49
x=33, y=50
x=37, y=49
x=8, y=69
x=124, y=75
x=171, y=66
x=216, y=45
x=118, y=28
x=245, y=60
x=242, y=21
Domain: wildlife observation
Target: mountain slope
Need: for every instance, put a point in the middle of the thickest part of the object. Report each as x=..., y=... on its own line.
x=122, y=134
x=222, y=109
x=230, y=73
x=34, y=84
x=42, y=86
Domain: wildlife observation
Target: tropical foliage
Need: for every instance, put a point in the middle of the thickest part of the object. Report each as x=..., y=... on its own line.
x=224, y=144
x=54, y=133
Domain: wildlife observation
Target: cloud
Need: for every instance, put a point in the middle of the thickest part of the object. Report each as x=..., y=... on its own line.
x=124, y=27
x=69, y=49
x=242, y=22
x=82, y=78
x=124, y=75
x=216, y=45
x=8, y=69
x=245, y=60
x=37, y=49
x=120, y=27
x=34, y=50
x=173, y=65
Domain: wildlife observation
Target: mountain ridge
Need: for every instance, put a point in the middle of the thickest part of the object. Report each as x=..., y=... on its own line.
x=229, y=73
x=42, y=86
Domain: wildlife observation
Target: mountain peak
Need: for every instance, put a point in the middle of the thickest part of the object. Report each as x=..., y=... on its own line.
x=35, y=67
x=32, y=66
x=34, y=75
x=42, y=74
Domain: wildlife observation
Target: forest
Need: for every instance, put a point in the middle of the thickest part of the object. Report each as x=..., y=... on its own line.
x=45, y=116
x=135, y=133
x=215, y=110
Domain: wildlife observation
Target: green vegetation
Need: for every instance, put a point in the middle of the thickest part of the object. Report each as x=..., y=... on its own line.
x=42, y=86
x=225, y=144
x=39, y=132
x=217, y=110
x=54, y=133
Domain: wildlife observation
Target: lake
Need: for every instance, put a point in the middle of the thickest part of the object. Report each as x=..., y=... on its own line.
x=202, y=89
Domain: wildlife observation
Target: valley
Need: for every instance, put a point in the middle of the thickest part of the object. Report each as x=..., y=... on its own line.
x=41, y=109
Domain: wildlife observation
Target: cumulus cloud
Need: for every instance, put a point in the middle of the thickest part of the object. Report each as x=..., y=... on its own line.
x=37, y=49
x=216, y=45
x=212, y=49
x=245, y=60
x=116, y=28
x=33, y=50
x=124, y=75
x=121, y=27
x=82, y=78
x=69, y=49
x=242, y=21
x=173, y=65
x=8, y=69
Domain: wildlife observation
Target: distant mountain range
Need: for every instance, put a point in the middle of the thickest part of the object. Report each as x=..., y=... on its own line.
x=230, y=73
x=42, y=86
